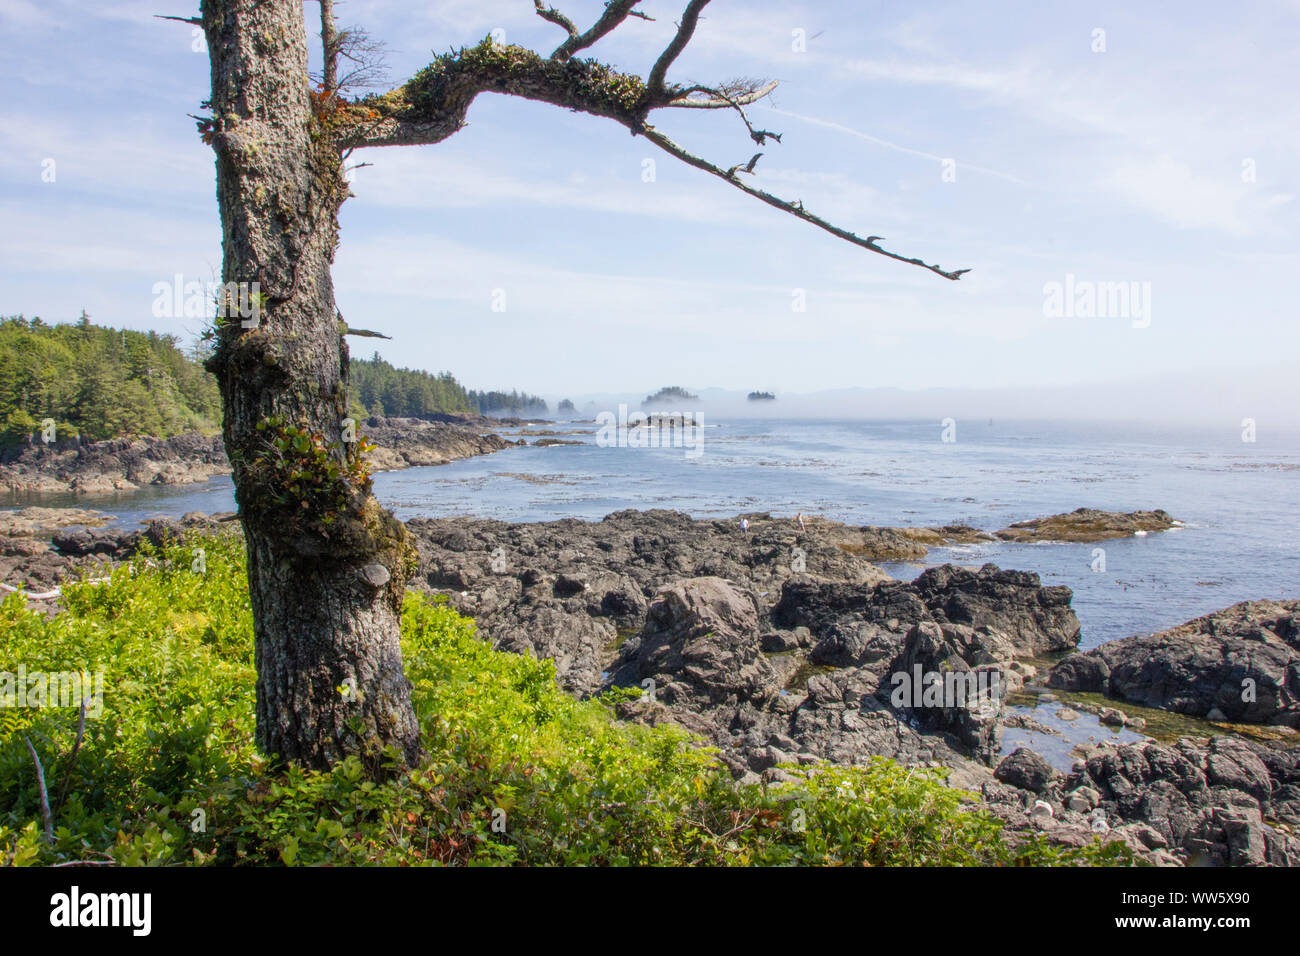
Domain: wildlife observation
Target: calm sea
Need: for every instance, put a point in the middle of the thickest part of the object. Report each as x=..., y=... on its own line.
x=1240, y=501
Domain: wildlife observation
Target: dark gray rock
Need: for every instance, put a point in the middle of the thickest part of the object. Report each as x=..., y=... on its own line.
x=1026, y=770
x=701, y=639
x=1211, y=800
x=1243, y=661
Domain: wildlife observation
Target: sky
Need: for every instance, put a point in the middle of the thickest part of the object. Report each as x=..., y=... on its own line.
x=1056, y=150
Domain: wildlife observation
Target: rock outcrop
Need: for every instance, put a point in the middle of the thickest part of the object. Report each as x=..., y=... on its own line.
x=120, y=464
x=609, y=571
x=126, y=464
x=1241, y=664
x=82, y=551
x=1219, y=802
x=36, y=521
x=414, y=442
x=1088, y=524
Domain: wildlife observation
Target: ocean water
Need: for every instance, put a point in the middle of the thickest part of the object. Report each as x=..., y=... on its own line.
x=1239, y=501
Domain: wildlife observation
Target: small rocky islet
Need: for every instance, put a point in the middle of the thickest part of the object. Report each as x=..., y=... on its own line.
x=781, y=644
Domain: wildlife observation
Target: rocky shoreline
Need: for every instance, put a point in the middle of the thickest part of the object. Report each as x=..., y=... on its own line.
x=786, y=644
x=128, y=464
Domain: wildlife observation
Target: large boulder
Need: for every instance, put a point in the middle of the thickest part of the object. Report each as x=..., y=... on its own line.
x=1025, y=769
x=701, y=640
x=1243, y=661
x=571, y=638
x=1008, y=613
x=1037, y=619
x=937, y=683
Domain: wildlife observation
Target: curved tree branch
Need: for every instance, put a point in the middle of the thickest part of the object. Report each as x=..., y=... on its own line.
x=794, y=208
x=433, y=104
x=551, y=15
x=615, y=13
x=685, y=30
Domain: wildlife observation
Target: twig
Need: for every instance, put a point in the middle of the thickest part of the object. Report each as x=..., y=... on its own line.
x=45, y=797
x=551, y=15
x=72, y=757
x=56, y=866
x=869, y=243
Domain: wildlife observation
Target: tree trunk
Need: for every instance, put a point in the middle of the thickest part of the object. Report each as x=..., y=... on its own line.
x=327, y=567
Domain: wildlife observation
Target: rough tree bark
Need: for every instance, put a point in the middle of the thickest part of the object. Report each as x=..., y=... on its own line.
x=327, y=566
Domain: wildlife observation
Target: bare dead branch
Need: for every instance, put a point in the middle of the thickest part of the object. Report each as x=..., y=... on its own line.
x=72, y=757
x=685, y=30
x=193, y=21
x=724, y=98
x=715, y=99
x=794, y=208
x=615, y=13
x=744, y=167
x=329, y=41
x=551, y=15
x=46, y=817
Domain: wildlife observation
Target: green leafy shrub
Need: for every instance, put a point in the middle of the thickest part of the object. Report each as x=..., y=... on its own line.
x=516, y=772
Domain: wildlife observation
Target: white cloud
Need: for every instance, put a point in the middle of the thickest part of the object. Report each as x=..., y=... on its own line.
x=1178, y=194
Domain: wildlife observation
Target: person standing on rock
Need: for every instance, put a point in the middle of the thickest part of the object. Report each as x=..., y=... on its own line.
x=802, y=527
x=744, y=524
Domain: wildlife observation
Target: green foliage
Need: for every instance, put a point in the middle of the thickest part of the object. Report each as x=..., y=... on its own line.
x=299, y=470
x=513, y=402
x=99, y=382
x=109, y=383
x=168, y=773
x=381, y=389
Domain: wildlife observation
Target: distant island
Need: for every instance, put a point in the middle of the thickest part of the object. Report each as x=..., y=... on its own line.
x=672, y=393
x=761, y=397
